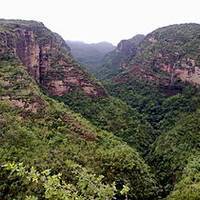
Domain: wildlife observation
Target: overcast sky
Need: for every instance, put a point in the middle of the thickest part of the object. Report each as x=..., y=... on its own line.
x=102, y=20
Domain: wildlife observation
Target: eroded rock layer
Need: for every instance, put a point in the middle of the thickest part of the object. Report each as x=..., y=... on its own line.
x=46, y=57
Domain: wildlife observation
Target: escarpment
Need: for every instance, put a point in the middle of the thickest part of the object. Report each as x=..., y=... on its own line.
x=47, y=58
x=170, y=53
x=167, y=57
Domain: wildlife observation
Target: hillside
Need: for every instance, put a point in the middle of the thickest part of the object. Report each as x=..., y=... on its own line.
x=66, y=135
x=89, y=55
x=161, y=81
x=46, y=56
x=168, y=55
x=114, y=115
x=162, y=67
x=46, y=150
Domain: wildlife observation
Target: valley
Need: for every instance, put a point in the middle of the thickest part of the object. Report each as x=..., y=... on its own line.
x=117, y=123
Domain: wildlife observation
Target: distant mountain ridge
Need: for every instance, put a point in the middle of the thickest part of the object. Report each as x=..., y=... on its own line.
x=89, y=55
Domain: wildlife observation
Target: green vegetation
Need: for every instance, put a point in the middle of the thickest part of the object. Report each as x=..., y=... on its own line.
x=43, y=185
x=159, y=109
x=138, y=138
x=113, y=115
x=189, y=186
x=172, y=149
x=43, y=133
x=175, y=120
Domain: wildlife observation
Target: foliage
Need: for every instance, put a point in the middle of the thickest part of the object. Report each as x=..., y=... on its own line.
x=172, y=149
x=28, y=183
x=188, y=188
x=113, y=115
x=40, y=132
x=160, y=110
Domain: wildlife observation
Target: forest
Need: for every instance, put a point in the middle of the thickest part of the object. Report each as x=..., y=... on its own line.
x=128, y=129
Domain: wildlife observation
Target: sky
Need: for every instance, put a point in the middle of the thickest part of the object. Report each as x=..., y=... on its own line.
x=102, y=20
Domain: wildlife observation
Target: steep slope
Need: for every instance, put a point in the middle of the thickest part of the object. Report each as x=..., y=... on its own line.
x=90, y=55
x=166, y=64
x=112, y=114
x=162, y=82
x=174, y=150
x=40, y=132
x=189, y=185
x=117, y=60
x=46, y=56
x=167, y=55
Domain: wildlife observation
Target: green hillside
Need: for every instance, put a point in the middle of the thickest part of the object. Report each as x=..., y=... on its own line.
x=65, y=135
x=112, y=114
x=48, y=151
x=43, y=133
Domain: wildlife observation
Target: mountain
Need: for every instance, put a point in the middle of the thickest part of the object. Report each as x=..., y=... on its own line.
x=168, y=55
x=48, y=60
x=161, y=81
x=66, y=135
x=117, y=60
x=46, y=56
x=89, y=55
x=47, y=151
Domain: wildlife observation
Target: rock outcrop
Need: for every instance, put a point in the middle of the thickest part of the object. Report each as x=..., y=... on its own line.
x=167, y=56
x=46, y=57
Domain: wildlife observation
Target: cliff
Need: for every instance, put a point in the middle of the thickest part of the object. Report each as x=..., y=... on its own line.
x=47, y=58
x=169, y=54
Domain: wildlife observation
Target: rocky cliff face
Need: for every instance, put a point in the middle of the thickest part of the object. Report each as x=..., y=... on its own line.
x=169, y=54
x=46, y=57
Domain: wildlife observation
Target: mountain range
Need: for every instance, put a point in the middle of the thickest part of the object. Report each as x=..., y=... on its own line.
x=94, y=121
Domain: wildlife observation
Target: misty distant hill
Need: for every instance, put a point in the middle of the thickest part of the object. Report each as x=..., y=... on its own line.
x=90, y=55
